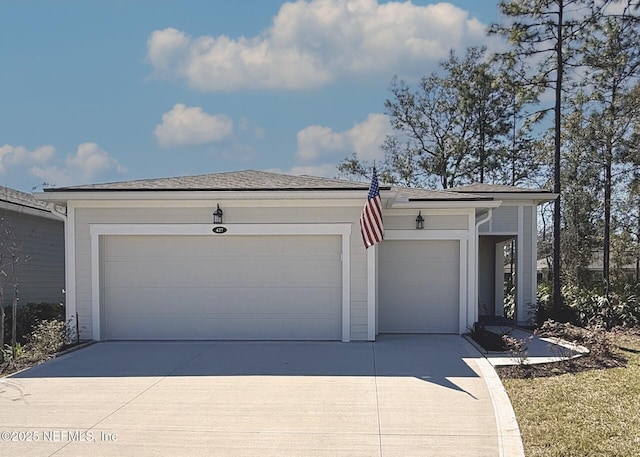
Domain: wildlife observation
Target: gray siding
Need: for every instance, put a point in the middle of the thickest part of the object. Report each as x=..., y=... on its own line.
x=504, y=219
x=431, y=222
x=39, y=244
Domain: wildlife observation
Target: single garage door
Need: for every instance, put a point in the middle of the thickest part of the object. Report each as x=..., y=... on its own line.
x=222, y=287
x=419, y=285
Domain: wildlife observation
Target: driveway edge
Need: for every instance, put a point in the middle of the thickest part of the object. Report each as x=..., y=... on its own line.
x=509, y=439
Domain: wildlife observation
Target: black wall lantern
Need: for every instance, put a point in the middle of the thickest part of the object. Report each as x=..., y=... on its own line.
x=419, y=221
x=217, y=215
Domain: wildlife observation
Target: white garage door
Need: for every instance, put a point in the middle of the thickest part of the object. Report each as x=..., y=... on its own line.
x=419, y=286
x=222, y=287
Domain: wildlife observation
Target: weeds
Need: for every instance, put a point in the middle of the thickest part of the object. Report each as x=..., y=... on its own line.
x=518, y=348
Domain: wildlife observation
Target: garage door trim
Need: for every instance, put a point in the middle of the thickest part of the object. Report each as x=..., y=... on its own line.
x=98, y=230
x=463, y=236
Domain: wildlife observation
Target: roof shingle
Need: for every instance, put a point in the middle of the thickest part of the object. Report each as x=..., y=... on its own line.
x=247, y=180
x=20, y=198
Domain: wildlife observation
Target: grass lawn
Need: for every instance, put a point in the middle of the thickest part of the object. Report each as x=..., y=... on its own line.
x=589, y=413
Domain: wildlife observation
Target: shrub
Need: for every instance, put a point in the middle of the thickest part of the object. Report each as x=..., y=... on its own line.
x=517, y=347
x=594, y=337
x=590, y=307
x=28, y=317
x=46, y=340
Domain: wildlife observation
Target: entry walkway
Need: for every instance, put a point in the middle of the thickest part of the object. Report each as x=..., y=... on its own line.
x=538, y=349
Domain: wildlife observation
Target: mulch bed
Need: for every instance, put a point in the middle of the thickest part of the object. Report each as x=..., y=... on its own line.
x=604, y=352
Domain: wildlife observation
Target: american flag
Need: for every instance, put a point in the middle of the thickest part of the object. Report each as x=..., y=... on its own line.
x=371, y=218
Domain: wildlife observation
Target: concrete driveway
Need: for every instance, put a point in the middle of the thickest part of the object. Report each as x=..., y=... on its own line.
x=400, y=396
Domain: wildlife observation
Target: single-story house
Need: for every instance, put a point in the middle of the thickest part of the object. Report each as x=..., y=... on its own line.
x=264, y=256
x=35, y=235
x=630, y=269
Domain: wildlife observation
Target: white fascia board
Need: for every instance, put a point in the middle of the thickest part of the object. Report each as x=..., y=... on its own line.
x=324, y=203
x=419, y=204
x=201, y=195
x=28, y=210
x=528, y=197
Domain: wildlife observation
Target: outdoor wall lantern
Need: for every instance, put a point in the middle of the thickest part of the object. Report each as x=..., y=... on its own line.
x=217, y=215
x=419, y=221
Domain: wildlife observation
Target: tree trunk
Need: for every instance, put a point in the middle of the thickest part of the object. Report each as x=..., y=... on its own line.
x=557, y=282
x=606, y=245
x=14, y=310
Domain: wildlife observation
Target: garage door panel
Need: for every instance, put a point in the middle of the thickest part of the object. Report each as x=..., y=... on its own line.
x=155, y=302
x=280, y=294
x=419, y=286
x=227, y=329
x=232, y=274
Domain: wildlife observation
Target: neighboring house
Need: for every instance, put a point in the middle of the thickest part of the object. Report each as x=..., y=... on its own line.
x=146, y=260
x=36, y=236
x=631, y=270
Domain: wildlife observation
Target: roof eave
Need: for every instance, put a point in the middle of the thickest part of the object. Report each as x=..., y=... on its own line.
x=157, y=194
x=537, y=196
x=432, y=203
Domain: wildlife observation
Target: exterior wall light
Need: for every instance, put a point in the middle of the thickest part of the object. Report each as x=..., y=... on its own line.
x=419, y=221
x=217, y=215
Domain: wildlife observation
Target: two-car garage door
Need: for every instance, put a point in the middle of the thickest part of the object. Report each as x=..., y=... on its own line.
x=221, y=287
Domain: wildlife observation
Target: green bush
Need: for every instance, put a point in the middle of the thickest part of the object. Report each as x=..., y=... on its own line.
x=28, y=318
x=591, y=307
x=43, y=343
x=46, y=340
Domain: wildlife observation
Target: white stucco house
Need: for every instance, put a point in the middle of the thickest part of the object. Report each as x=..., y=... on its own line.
x=146, y=260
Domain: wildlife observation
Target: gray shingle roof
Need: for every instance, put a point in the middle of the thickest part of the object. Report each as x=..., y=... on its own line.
x=21, y=198
x=428, y=195
x=250, y=180
x=493, y=188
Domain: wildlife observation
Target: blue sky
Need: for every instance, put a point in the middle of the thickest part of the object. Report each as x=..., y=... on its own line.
x=120, y=89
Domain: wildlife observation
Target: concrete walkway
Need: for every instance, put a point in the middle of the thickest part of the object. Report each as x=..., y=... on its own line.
x=428, y=395
x=538, y=349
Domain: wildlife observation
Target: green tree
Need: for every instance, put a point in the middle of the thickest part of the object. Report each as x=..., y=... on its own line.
x=612, y=58
x=581, y=208
x=450, y=130
x=546, y=33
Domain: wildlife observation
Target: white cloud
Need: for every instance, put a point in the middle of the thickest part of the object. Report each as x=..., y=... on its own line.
x=312, y=43
x=363, y=139
x=19, y=155
x=189, y=126
x=88, y=162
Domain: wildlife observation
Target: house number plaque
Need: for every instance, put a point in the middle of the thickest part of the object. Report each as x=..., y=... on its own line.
x=219, y=229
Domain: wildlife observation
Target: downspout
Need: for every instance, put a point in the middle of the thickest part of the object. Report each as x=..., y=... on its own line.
x=487, y=218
